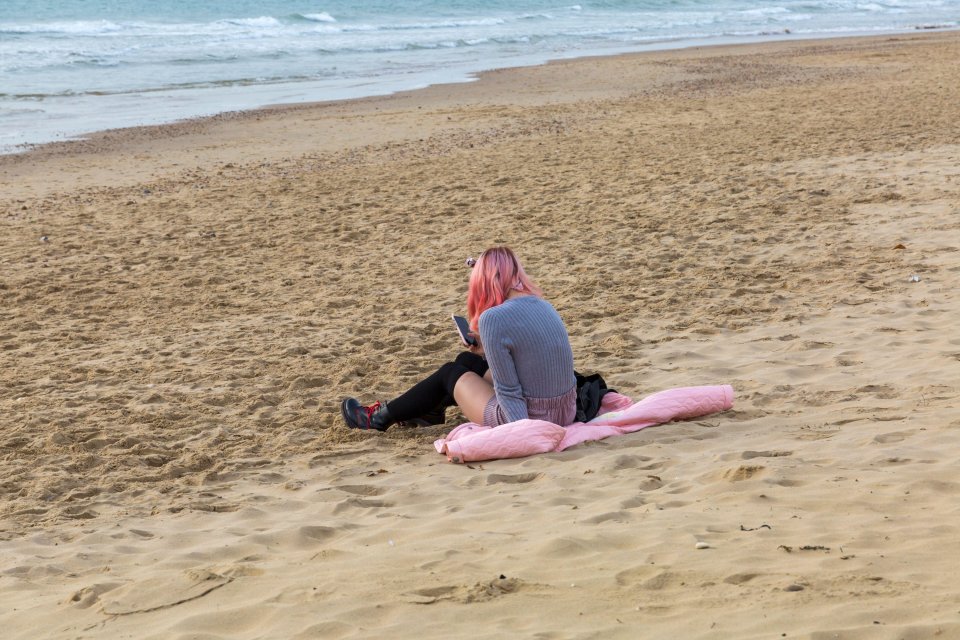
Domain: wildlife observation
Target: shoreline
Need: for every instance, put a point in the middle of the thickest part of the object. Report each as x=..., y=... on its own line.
x=470, y=73
x=182, y=310
x=27, y=174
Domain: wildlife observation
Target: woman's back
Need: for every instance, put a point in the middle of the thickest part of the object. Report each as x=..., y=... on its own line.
x=528, y=349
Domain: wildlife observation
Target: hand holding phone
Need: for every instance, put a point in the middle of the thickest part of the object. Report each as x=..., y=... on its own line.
x=463, y=329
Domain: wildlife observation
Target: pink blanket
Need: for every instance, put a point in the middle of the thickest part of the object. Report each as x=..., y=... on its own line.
x=618, y=415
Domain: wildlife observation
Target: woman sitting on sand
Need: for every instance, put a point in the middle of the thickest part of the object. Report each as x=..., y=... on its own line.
x=522, y=366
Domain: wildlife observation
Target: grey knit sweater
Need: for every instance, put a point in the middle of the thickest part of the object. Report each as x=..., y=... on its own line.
x=528, y=349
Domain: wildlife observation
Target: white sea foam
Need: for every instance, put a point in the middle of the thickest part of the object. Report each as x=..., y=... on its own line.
x=319, y=17
x=445, y=24
x=262, y=21
x=765, y=11
x=77, y=28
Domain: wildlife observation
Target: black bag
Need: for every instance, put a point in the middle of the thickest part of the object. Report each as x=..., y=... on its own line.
x=590, y=392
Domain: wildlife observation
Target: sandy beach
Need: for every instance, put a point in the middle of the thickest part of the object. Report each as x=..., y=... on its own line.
x=183, y=307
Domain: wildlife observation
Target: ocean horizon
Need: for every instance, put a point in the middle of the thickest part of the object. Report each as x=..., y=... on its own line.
x=72, y=67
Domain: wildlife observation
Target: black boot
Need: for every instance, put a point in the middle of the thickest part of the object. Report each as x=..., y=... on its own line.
x=358, y=416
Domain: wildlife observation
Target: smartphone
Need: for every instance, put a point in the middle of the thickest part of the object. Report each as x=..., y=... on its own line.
x=463, y=328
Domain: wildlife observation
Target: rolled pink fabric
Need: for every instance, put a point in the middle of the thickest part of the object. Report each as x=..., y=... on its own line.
x=619, y=415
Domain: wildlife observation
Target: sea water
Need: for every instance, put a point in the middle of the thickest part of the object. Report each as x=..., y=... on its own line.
x=68, y=67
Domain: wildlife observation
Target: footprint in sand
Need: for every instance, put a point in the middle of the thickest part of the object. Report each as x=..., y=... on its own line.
x=161, y=592
x=647, y=577
x=743, y=472
x=520, y=478
x=786, y=482
x=882, y=391
x=360, y=489
x=936, y=486
x=749, y=455
x=893, y=436
x=301, y=383
x=636, y=575
x=633, y=503
x=89, y=596
x=358, y=503
x=651, y=483
x=615, y=516
x=568, y=547
x=317, y=533
x=78, y=513
x=893, y=461
x=154, y=398
x=635, y=462
x=479, y=592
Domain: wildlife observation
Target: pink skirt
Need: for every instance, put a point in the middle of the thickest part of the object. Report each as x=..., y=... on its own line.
x=561, y=410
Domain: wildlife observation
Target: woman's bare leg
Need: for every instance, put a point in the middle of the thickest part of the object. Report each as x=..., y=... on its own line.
x=472, y=394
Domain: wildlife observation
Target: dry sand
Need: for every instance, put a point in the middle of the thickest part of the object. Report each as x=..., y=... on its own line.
x=172, y=461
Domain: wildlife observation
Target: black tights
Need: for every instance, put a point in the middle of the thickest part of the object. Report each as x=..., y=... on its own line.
x=437, y=389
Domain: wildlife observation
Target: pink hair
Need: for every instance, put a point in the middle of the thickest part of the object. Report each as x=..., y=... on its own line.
x=496, y=273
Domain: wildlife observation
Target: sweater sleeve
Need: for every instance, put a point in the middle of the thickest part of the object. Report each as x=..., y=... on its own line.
x=498, y=349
